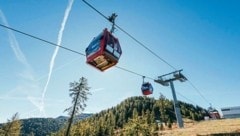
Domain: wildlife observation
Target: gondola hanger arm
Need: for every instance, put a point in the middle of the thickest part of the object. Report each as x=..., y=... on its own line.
x=112, y=20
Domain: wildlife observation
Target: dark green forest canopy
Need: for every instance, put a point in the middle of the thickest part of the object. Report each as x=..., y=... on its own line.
x=134, y=113
x=141, y=110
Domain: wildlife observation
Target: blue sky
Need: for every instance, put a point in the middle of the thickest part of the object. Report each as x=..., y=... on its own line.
x=200, y=37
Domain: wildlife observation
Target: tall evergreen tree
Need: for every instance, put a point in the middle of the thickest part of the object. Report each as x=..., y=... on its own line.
x=137, y=126
x=163, y=108
x=79, y=92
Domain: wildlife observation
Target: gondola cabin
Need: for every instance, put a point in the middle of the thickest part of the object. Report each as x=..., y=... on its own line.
x=104, y=51
x=147, y=88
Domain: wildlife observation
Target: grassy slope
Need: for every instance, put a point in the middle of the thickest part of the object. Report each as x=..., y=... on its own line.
x=206, y=128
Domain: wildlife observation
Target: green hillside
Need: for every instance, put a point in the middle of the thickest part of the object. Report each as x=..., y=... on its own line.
x=135, y=115
x=43, y=126
x=46, y=126
x=40, y=126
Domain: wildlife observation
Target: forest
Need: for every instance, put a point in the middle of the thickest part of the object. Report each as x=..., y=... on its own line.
x=139, y=115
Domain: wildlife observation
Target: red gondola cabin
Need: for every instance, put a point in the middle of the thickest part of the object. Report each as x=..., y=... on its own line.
x=147, y=88
x=104, y=51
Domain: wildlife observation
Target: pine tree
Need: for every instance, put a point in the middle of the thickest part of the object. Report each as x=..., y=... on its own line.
x=148, y=117
x=163, y=108
x=79, y=92
x=138, y=125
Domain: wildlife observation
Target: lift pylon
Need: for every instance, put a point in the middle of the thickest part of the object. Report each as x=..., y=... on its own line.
x=167, y=79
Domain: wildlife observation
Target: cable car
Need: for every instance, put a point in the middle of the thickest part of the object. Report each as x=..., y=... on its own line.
x=104, y=51
x=147, y=88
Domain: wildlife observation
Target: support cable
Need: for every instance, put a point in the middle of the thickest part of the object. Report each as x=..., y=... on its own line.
x=143, y=45
x=96, y=10
x=68, y=49
x=186, y=98
x=73, y=51
x=130, y=71
x=40, y=39
x=140, y=43
x=197, y=90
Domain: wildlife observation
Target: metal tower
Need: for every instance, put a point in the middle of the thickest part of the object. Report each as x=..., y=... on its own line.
x=169, y=78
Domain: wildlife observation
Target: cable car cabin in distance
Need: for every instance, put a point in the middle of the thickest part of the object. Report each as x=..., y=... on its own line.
x=104, y=51
x=147, y=88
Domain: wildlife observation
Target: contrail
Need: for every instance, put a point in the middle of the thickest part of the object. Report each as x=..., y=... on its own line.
x=14, y=44
x=59, y=41
x=58, y=68
x=27, y=74
x=97, y=90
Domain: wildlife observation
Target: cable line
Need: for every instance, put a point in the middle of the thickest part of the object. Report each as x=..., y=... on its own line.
x=204, y=98
x=140, y=43
x=144, y=46
x=186, y=98
x=68, y=49
x=133, y=72
x=128, y=34
x=82, y=54
x=40, y=39
x=96, y=10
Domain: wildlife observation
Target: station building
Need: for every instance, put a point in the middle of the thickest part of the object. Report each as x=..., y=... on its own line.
x=231, y=112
